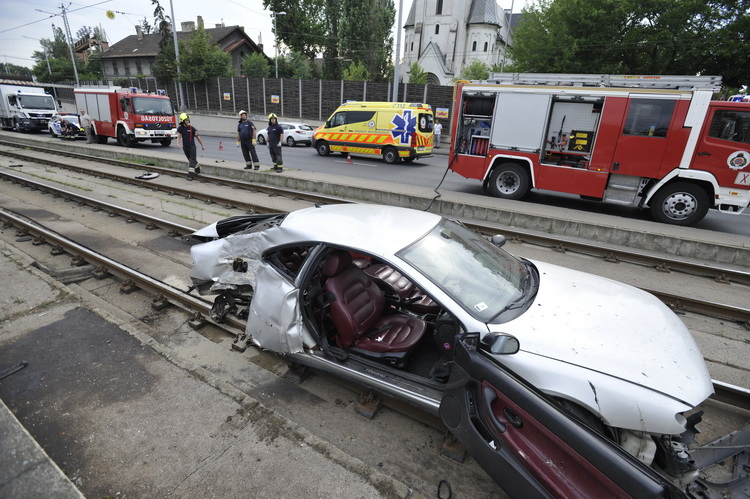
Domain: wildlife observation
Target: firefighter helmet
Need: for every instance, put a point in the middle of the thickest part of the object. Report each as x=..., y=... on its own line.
x=184, y=116
x=241, y=113
x=272, y=115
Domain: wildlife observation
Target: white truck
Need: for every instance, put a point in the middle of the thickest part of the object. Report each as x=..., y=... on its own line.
x=25, y=106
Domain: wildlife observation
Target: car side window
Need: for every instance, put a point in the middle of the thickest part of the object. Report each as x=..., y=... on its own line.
x=731, y=125
x=359, y=116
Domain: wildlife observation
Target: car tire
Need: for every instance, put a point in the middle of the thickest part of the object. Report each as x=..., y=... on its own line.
x=322, y=148
x=390, y=155
x=52, y=132
x=679, y=203
x=260, y=140
x=290, y=141
x=16, y=126
x=509, y=181
x=165, y=142
x=122, y=138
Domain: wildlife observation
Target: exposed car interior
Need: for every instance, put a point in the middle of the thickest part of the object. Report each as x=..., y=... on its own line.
x=367, y=308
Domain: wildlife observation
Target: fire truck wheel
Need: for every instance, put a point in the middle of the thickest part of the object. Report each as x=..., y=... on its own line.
x=390, y=156
x=122, y=138
x=509, y=181
x=165, y=142
x=322, y=148
x=679, y=203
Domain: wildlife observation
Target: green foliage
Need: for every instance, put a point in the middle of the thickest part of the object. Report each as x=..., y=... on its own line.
x=634, y=37
x=256, y=66
x=302, y=28
x=14, y=69
x=365, y=34
x=164, y=67
x=199, y=59
x=146, y=27
x=356, y=71
x=58, y=54
x=476, y=70
x=300, y=66
x=417, y=74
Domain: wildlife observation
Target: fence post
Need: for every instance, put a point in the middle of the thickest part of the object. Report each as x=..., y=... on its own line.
x=341, y=101
x=425, y=94
x=247, y=84
x=320, y=100
x=205, y=86
x=218, y=86
x=300, y=98
x=265, y=110
x=234, y=100
x=281, y=95
x=364, y=90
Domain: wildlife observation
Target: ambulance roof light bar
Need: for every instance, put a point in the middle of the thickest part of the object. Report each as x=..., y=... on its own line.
x=675, y=82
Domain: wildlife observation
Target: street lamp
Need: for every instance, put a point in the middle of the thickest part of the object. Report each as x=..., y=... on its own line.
x=276, y=39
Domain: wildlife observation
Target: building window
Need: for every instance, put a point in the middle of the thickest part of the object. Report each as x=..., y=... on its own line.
x=437, y=29
x=485, y=46
x=115, y=70
x=126, y=66
x=473, y=46
x=439, y=8
x=138, y=67
x=412, y=47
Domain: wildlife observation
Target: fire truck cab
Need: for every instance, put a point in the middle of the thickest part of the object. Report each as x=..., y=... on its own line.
x=649, y=141
x=128, y=115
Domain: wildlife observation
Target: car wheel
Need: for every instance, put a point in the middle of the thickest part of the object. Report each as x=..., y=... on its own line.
x=165, y=142
x=290, y=141
x=509, y=181
x=679, y=203
x=390, y=156
x=16, y=126
x=260, y=140
x=322, y=148
x=52, y=132
x=122, y=138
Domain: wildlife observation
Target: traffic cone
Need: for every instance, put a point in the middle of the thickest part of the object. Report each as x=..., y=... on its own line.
x=221, y=146
x=348, y=159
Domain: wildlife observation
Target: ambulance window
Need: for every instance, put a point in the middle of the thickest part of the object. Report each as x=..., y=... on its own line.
x=648, y=117
x=425, y=122
x=359, y=116
x=731, y=125
x=338, y=119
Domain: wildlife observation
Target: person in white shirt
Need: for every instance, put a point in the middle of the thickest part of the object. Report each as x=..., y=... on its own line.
x=437, y=131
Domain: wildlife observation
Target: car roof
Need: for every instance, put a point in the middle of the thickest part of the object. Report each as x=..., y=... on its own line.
x=378, y=229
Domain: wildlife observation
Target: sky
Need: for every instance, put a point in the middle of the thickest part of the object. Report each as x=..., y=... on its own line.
x=24, y=22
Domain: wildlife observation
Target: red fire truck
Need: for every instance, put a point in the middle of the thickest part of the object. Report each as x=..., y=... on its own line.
x=648, y=141
x=128, y=115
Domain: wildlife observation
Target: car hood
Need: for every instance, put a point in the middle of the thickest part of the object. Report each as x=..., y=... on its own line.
x=613, y=328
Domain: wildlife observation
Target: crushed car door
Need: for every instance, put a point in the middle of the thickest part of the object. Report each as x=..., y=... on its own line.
x=274, y=319
x=528, y=443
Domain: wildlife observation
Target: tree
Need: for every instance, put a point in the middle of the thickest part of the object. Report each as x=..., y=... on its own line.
x=146, y=27
x=165, y=66
x=300, y=66
x=15, y=69
x=302, y=28
x=256, y=66
x=356, y=72
x=417, y=74
x=365, y=33
x=199, y=59
x=477, y=70
x=634, y=37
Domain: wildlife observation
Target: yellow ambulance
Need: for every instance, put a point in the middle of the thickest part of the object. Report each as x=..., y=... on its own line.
x=394, y=130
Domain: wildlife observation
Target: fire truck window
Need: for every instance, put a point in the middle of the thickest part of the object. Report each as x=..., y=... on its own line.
x=731, y=125
x=125, y=105
x=649, y=117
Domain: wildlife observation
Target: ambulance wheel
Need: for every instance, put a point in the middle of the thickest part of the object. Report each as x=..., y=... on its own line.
x=509, y=181
x=390, y=156
x=679, y=203
x=322, y=148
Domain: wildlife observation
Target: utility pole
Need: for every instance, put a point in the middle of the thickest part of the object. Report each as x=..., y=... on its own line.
x=398, y=51
x=276, y=39
x=70, y=43
x=180, y=104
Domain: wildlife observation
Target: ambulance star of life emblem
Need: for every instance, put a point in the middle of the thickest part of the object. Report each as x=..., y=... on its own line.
x=405, y=125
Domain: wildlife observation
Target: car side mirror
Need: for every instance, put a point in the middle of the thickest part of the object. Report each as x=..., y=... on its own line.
x=499, y=240
x=500, y=344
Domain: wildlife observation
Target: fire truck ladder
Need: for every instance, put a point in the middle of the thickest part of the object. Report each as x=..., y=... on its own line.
x=619, y=81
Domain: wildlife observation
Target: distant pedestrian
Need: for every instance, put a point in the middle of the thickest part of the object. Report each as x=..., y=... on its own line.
x=275, y=134
x=437, y=130
x=246, y=139
x=87, y=125
x=187, y=135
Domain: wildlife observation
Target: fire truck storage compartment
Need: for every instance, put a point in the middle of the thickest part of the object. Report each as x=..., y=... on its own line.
x=517, y=119
x=571, y=130
x=97, y=105
x=476, y=121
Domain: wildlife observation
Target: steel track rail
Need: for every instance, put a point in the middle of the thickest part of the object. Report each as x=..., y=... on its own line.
x=678, y=303
x=237, y=184
x=724, y=392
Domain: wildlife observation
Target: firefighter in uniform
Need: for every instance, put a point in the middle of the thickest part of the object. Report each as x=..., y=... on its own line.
x=246, y=140
x=275, y=134
x=187, y=135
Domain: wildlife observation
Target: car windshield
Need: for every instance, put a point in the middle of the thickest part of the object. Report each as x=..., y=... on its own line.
x=153, y=106
x=484, y=279
x=43, y=102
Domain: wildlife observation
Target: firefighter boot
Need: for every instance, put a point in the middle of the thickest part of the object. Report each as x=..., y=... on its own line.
x=256, y=166
x=279, y=168
x=191, y=176
x=249, y=166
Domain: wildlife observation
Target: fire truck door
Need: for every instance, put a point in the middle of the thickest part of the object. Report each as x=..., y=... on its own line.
x=643, y=137
x=724, y=148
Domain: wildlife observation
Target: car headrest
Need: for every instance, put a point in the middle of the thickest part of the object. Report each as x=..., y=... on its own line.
x=337, y=261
